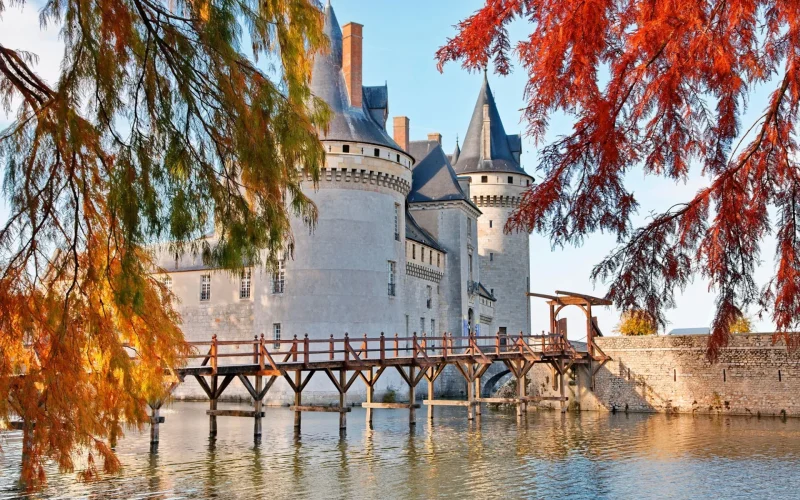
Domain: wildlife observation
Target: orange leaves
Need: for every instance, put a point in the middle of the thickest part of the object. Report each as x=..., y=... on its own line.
x=675, y=79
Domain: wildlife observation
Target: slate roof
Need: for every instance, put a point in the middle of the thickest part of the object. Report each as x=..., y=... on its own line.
x=483, y=292
x=500, y=157
x=415, y=232
x=433, y=176
x=349, y=123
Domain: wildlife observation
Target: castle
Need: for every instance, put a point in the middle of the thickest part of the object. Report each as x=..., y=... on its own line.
x=409, y=239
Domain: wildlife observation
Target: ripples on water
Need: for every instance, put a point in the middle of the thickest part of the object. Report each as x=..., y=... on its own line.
x=588, y=455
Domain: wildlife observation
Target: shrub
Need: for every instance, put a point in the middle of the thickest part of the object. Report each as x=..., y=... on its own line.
x=635, y=322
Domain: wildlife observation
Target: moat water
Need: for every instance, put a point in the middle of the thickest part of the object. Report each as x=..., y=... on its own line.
x=588, y=455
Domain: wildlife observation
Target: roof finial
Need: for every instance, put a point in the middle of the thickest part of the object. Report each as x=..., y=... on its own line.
x=457, y=140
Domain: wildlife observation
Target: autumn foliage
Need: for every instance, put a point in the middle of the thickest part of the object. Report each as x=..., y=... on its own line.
x=661, y=86
x=634, y=323
x=159, y=124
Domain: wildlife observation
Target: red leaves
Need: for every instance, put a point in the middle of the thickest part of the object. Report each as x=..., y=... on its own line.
x=675, y=79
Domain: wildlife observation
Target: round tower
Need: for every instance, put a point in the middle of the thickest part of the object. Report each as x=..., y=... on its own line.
x=344, y=275
x=491, y=158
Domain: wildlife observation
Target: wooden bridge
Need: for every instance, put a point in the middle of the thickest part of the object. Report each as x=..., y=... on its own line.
x=259, y=363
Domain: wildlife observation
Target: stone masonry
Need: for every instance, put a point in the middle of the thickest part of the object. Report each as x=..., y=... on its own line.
x=753, y=376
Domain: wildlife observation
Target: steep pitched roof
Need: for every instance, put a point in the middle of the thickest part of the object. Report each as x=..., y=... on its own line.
x=349, y=123
x=433, y=176
x=415, y=232
x=500, y=154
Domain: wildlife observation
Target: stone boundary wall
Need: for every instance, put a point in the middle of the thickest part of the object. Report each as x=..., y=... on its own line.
x=671, y=374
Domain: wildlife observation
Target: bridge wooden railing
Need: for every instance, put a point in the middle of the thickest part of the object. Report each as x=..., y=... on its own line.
x=275, y=354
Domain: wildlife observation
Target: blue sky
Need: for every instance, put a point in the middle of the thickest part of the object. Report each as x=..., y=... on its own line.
x=400, y=40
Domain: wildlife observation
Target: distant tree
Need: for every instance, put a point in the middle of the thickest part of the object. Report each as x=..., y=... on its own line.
x=632, y=323
x=662, y=85
x=742, y=325
x=158, y=124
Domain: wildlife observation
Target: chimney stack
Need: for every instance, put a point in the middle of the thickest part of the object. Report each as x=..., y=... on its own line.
x=400, y=130
x=436, y=137
x=352, y=37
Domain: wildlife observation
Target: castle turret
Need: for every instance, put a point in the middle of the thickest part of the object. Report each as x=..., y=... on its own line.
x=491, y=158
x=344, y=275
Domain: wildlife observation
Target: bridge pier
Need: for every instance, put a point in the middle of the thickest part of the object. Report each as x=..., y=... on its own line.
x=212, y=406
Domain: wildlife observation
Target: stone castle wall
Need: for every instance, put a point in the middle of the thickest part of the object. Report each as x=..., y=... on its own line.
x=671, y=374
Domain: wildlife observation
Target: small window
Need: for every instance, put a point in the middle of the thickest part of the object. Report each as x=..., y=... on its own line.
x=433, y=328
x=490, y=224
x=429, y=298
x=279, y=278
x=510, y=179
x=438, y=260
x=244, y=284
x=421, y=326
x=205, y=287
x=413, y=251
x=346, y=148
x=430, y=258
x=484, y=179
x=491, y=256
x=398, y=158
x=377, y=152
x=167, y=281
x=469, y=227
x=492, y=292
x=397, y=221
x=528, y=182
x=276, y=335
x=392, y=269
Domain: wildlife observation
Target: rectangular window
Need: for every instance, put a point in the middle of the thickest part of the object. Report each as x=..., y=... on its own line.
x=470, y=266
x=244, y=284
x=490, y=224
x=276, y=335
x=205, y=287
x=484, y=179
x=430, y=258
x=491, y=256
x=510, y=179
x=438, y=260
x=397, y=221
x=421, y=326
x=392, y=269
x=168, y=283
x=433, y=328
x=279, y=278
x=377, y=152
x=429, y=300
x=346, y=148
x=469, y=228
x=413, y=251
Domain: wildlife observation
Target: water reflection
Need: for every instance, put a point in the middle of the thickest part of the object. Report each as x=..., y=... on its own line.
x=546, y=454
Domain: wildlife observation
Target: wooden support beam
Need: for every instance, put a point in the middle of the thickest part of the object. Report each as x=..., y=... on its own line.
x=212, y=417
x=499, y=401
x=342, y=399
x=370, y=383
x=412, y=395
x=323, y=409
x=390, y=406
x=445, y=402
x=233, y=413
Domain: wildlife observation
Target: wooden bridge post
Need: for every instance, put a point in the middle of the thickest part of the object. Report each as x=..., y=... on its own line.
x=412, y=394
x=342, y=400
x=477, y=391
x=470, y=392
x=370, y=393
x=212, y=417
x=430, y=392
x=258, y=344
x=522, y=406
x=155, y=420
x=561, y=389
x=298, y=399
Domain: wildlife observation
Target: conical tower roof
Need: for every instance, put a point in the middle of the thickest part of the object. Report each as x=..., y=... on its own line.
x=349, y=123
x=486, y=146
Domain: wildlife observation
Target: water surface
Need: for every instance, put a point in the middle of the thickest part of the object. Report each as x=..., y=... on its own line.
x=588, y=455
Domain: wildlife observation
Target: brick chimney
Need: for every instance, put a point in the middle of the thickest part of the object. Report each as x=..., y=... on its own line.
x=435, y=137
x=352, y=38
x=401, y=131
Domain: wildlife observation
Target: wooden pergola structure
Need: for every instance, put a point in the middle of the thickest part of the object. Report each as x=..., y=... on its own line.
x=563, y=299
